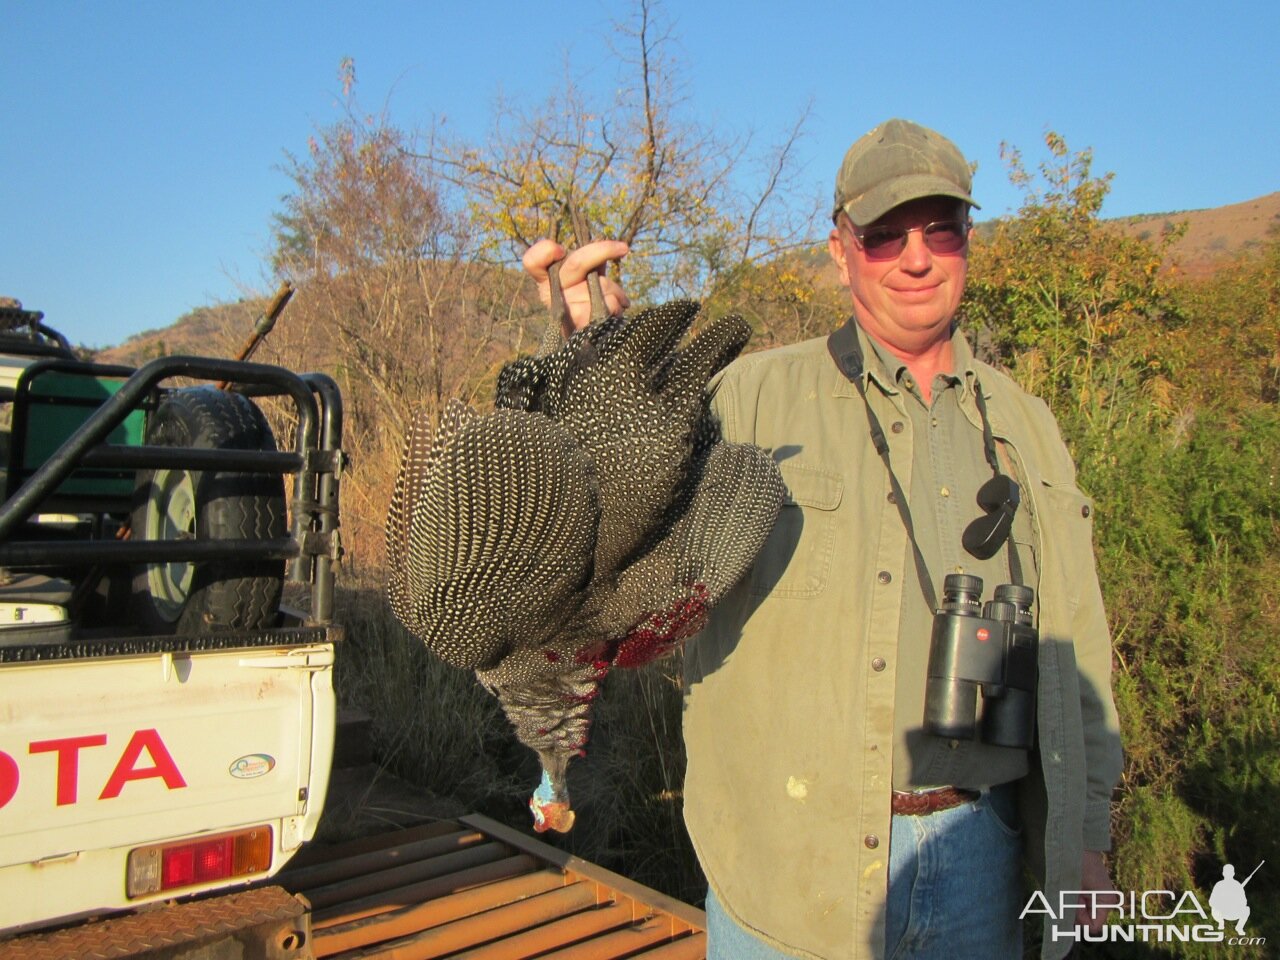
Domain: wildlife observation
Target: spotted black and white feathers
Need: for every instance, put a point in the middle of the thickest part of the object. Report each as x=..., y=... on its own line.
x=488, y=536
x=590, y=521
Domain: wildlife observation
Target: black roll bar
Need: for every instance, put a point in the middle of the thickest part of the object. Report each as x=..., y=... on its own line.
x=312, y=546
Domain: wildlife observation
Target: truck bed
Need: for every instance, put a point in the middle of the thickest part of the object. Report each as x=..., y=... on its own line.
x=116, y=749
x=472, y=887
x=467, y=887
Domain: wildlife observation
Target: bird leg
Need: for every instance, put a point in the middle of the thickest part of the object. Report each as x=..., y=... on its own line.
x=582, y=233
x=560, y=324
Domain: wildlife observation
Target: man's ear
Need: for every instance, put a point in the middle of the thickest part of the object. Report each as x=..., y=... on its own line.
x=835, y=247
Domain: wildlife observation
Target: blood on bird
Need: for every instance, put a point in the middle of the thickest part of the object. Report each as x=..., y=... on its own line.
x=661, y=632
x=593, y=653
x=589, y=696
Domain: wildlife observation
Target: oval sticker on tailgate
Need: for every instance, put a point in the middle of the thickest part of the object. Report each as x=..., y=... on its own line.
x=254, y=765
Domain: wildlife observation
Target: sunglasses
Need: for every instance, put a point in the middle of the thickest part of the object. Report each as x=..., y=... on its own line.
x=887, y=243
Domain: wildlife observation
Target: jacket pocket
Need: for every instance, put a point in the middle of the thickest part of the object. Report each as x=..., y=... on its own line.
x=796, y=559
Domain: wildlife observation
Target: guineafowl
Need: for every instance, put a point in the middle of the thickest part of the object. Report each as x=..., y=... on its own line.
x=590, y=521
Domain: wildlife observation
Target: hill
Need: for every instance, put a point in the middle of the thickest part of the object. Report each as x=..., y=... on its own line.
x=1212, y=235
x=218, y=330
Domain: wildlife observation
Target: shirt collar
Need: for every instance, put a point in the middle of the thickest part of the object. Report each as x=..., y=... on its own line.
x=887, y=370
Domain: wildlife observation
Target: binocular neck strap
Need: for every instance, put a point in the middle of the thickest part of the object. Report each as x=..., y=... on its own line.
x=849, y=341
x=989, y=450
x=988, y=438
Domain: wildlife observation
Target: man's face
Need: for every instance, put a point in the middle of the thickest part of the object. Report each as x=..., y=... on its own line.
x=906, y=302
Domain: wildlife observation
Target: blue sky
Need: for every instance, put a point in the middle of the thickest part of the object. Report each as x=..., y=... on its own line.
x=143, y=140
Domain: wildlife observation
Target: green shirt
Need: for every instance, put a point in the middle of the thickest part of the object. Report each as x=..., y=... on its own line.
x=947, y=466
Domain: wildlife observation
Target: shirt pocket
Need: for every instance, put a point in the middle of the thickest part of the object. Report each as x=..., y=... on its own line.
x=1067, y=529
x=796, y=559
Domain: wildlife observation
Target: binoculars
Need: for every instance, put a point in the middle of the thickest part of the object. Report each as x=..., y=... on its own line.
x=993, y=649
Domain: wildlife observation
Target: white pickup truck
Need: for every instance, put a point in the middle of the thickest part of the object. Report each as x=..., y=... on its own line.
x=167, y=704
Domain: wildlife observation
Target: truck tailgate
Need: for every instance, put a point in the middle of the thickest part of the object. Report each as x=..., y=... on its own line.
x=100, y=755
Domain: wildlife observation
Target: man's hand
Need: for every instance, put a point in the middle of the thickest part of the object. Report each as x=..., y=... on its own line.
x=1093, y=876
x=573, y=276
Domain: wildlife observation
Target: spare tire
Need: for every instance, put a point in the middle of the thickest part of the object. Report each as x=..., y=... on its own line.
x=188, y=597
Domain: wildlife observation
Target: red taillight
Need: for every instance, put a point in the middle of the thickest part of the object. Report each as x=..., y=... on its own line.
x=213, y=860
x=194, y=862
x=177, y=868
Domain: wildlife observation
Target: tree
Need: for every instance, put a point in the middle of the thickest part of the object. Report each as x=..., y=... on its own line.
x=681, y=195
x=1069, y=303
x=392, y=295
x=1228, y=353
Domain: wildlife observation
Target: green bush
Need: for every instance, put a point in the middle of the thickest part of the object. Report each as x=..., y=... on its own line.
x=1189, y=552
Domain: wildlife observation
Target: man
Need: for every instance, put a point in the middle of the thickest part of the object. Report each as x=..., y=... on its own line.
x=829, y=822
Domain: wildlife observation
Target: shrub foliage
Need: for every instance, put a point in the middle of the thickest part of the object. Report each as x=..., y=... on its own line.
x=1165, y=390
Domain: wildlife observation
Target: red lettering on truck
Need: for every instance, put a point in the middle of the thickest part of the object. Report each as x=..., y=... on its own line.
x=8, y=777
x=127, y=767
x=68, y=751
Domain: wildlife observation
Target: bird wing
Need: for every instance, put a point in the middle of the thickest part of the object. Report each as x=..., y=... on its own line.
x=667, y=594
x=490, y=533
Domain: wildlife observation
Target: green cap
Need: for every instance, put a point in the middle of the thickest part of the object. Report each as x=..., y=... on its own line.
x=896, y=162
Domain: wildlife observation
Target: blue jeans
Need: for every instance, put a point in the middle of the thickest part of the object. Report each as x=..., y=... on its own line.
x=955, y=889
x=728, y=941
x=955, y=882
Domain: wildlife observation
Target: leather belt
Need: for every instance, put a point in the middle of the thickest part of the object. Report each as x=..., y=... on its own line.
x=922, y=802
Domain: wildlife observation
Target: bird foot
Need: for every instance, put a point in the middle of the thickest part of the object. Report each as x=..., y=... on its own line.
x=550, y=806
x=552, y=816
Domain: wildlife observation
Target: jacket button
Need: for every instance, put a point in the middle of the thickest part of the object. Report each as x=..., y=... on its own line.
x=884, y=576
x=897, y=426
x=871, y=841
x=877, y=664
x=893, y=497
x=1085, y=511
